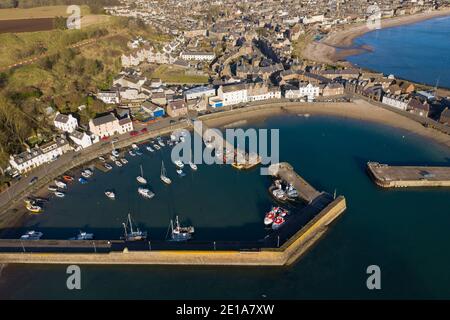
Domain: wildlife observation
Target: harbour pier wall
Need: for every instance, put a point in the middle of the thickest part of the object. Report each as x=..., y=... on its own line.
x=285, y=255
x=408, y=176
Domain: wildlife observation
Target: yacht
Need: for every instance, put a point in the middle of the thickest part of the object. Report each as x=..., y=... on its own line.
x=107, y=166
x=149, y=149
x=124, y=161
x=160, y=142
x=83, y=236
x=141, y=178
x=110, y=194
x=33, y=207
x=180, y=233
x=156, y=147
x=113, y=158
x=180, y=173
x=193, y=166
x=179, y=163
x=82, y=180
x=138, y=152
x=115, y=153
x=32, y=235
x=132, y=235
x=60, y=184
x=87, y=173
x=131, y=153
x=59, y=194
x=68, y=178
x=52, y=188
x=146, y=193
x=102, y=159
x=291, y=192
x=163, y=175
x=118, y=163
x=278, y=222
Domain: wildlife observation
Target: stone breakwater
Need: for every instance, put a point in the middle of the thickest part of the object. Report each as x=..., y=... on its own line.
x=286, y=255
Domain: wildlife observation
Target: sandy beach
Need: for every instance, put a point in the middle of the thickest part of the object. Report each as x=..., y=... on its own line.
x=325, y=51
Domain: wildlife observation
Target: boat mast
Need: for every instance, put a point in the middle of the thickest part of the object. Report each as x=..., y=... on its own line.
x=131, y=224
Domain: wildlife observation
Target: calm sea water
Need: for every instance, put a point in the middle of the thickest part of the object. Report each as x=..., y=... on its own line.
x=417, y=52
x=405, y=232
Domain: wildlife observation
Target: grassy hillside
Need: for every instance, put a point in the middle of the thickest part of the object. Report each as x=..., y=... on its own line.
x=63, y=80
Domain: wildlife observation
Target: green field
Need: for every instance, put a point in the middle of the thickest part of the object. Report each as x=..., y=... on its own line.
x=172, y=74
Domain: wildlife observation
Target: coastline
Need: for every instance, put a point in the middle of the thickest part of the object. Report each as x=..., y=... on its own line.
x=358, y=110
x=326, y=50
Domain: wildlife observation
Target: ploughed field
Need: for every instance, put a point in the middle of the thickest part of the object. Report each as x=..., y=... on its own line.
x=26, y=25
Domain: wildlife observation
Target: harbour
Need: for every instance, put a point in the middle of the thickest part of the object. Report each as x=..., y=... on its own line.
x=343, y=246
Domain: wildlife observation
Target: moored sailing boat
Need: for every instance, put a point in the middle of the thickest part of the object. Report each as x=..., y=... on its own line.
x=180, y=233
x=132, y=235
x=164, y=177
x=141, y=178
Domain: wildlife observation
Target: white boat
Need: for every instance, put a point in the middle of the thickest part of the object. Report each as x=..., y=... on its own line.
x=124, y=161
x=134, y=146
x=52, y=188
x=270, y=217
x=113, y=158
x=180, y=173
x=138, y=152
x=118, y=163
x=132, y=235
x=180, y=233
x=278, y=222
x=146, y=193
x=60, y=194
x=107, y=166
x=163, y=175
x=87, y=173
x=193, y=165
x=131, y=153
x=141, y=178
x=115, y=153
x=179, y=163
x=102, y=159
x=156, y=147
x=160, y=142
x=149, y=149
x=33, y=207
x=31, y=235
x=110, y=194
x=83, y=236
x=60, y=184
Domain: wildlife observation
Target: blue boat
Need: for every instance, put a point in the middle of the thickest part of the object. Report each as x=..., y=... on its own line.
x=82, y=180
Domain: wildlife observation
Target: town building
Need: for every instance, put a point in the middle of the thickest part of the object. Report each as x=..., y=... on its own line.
x=197, y=56
x=33, y=158
x=233, y=93
x=81, y=139
x=109, y=125
x=395, y=101
x=176, y=108
x=66, y=123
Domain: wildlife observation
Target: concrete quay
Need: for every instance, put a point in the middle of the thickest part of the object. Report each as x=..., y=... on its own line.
x=387, y=176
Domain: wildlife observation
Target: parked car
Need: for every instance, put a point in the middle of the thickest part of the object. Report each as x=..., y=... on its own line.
x=144, y=130
x=33, y=180
x=134, y=133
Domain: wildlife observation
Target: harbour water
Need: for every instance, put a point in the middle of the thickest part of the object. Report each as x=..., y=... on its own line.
x=405, y=232
x=417, y=52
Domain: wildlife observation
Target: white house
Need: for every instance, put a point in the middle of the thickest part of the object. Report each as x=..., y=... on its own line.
x=233, y=94
x=66, y=123
x=305, y=90
x=39, y=155
x=108, y=97
x=197, y=56
x=81, y=139
x=109, y=125
x=395, y=101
